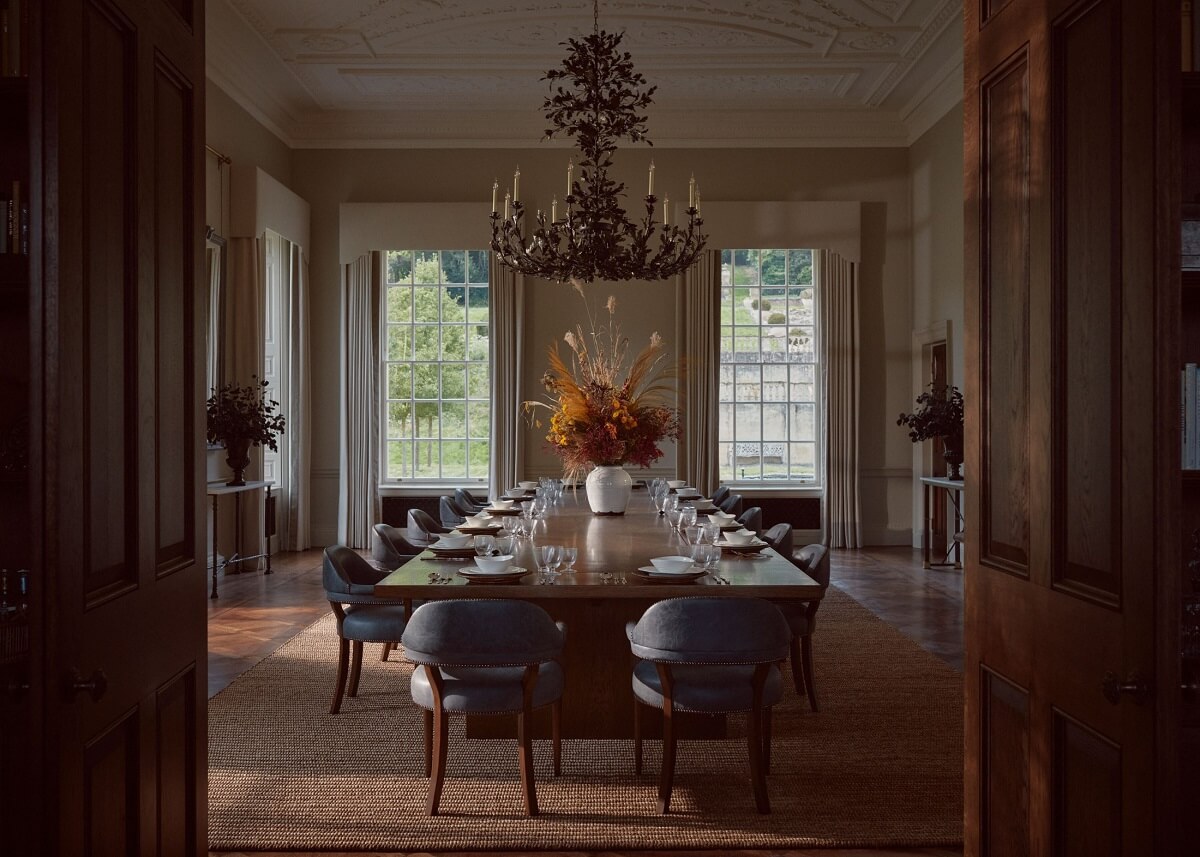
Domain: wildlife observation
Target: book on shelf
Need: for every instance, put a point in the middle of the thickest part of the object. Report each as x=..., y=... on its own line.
x=1189, y=415
x=14, y=38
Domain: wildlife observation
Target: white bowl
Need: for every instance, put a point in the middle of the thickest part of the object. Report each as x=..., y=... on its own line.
x=527, y=484
x=477, y=520
x=703, y=505
x=453, y=540
x=494, y=564
x=677, y=483
x=740, y=537
x=721, y=516
x=671, y=564
x=502, y=504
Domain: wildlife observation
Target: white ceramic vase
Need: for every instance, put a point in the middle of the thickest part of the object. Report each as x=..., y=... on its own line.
x=608, y=490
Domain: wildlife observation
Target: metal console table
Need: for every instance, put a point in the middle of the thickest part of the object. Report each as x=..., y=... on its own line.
x=953, y=487
x=216, y=490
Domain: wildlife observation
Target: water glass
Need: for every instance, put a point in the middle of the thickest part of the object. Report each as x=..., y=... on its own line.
x=711, y=532
x=671, y=501
x=707, y=555
x=484, y=545
x=569, y=555
x=546, y=557
x=694, y=535
x=504, y=544
x=687, y=516
x=673, y=518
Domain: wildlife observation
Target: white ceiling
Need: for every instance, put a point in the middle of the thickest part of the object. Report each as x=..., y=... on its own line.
x=421, y=73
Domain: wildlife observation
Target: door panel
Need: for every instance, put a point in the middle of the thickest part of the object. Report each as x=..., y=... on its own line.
x=1064, y=393
x=127, y=661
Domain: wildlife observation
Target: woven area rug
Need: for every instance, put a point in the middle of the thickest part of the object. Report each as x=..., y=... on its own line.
x=880, y=765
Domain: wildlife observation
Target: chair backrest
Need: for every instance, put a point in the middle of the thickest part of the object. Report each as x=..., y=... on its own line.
x=719, y=495
x=781, y=539
x=707, y=630
x=481, y=632
x=390, y=548
x=732, y=504
x=814, y=559
x=347, y=577
x=751, y=518
x=450, y=512
x=422, y=528
x=466, y=501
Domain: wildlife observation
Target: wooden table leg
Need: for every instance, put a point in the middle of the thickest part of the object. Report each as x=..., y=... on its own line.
x=927, y=513
x=214, y=555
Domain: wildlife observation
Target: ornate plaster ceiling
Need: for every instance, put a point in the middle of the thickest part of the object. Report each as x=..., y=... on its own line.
x=466, y=72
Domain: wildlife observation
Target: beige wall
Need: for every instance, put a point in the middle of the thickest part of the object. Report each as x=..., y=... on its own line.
x=877, y=177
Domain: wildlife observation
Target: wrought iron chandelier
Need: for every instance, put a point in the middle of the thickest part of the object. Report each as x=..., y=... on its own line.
x=596, y=98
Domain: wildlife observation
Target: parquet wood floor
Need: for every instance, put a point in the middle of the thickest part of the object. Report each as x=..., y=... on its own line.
x=256, y=613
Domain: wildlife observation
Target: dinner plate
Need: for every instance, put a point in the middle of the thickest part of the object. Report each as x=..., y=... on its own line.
x=501, y=512
x=474, y=575
x=492, y=529
x=650, y=574
x=753, y=547
x=453, y=553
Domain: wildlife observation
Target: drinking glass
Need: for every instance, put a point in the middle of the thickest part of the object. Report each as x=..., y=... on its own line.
x=712, y=532
x=673, y=517
x=694, y=535
x=540, y=504
x=710, y=554
x=687, y=516
x=671, y=501
x=484, y=545
x=546, y=557
x=504, y=544
x=569, y=555
x=660, y=500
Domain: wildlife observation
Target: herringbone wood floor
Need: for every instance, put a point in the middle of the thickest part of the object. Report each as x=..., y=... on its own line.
x=255, y=614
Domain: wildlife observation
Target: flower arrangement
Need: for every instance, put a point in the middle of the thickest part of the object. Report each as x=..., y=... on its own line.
x=244, y=412
x=601, y=415
x=940, y=415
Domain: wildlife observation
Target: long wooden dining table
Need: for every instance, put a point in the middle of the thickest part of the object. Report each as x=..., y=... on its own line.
x=597, y=599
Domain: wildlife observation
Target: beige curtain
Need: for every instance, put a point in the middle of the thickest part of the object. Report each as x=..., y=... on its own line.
x=837, y=290
x=292, y=513
x=507, y=340
x=698, y=303
x=244, y=359
x=358, y=500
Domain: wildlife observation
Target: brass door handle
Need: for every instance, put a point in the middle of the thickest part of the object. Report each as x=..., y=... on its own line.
x=94, y=685
x=1133, y=685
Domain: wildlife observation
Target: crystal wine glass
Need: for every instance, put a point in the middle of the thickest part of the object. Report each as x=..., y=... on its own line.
x=569, y=555
x=484, y=545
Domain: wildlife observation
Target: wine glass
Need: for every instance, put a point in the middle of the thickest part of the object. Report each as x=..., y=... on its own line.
x=546, y=557
x=504, y=544
x=712, y=532
x=694, y=535
x=687, y=516
x=569, y=555
x=673, y=518
x=484, y=545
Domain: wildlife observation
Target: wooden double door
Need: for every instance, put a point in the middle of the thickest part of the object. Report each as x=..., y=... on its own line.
x=1072, y=690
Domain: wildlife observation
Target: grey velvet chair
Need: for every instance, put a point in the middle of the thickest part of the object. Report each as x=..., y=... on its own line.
x=801, y=617
x=780, y=538
x=751, y=518
x=450, y=512
x=719, y=495
x=466, y=500
x=423, y=530
x=349, y=582
x=731, y=505
x=709, y=655
x=390, y=548
x=485, y=656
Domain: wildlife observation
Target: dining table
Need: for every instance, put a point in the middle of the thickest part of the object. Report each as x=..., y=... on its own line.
x=597, y=599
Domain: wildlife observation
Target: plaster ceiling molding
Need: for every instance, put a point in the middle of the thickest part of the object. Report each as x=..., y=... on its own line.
x=931, y=39
x=382, y=87
x=722, y=88
x=893, y=10
x=322, y=46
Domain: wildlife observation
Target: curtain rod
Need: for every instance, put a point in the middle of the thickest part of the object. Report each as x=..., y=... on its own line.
x=222, y=158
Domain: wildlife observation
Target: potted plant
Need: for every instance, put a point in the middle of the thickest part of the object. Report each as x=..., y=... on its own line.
x=940, y=414
x=241, y=416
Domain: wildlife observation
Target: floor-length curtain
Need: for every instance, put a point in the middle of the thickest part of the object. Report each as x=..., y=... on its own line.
x=358, y=501
x=507, y=337
x=698, y=331
x=837, y=287
x=293, y=510
x=244, y=359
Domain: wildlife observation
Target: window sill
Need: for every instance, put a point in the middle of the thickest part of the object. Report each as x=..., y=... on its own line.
x=426, y=489
x=758, y=489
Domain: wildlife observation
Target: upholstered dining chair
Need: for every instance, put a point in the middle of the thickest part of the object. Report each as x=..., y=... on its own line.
x=349, y=582
x=731, y=505
x=390, y=548
x=719, y=495
x=781, y=539
x=423, y=530
x=485, y=656
x=466, y=500
x=751, y=518
x=709, y=655
x=450, y=512
x=801, y=617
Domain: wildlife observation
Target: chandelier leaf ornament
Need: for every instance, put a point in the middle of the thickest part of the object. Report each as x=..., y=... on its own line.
x=597, y=98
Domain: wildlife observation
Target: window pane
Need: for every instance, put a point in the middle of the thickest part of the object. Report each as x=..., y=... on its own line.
x=477, y=460
x=454, y=381
x=399, y=304
x=747, y=347
x=775, y=388
x=399, y=425
x=425, y=266
x=454, y=419
x=800, y=270
x=477, y=381
x=399, y=342
x=804, y=422
x=454, y=343
x=749, y=384
x=454, y=266
x=478, y=266
x=477, y=305
x=774, y=267
x=801, y=344
x=774, y=424
x=774, y=339
x=725, y=461
x=426, y=342
x=747, y=460
x=399, y=382
x=454, y=459
x=745, y=267
x=425, y=381
x=477, y=346
x=478, y=419
x=399, y=459
x=802, y=387
x=425, y=303
x=774, y=461
x=804, y=460
x=749, y=422
x=399, y=266
x=427, y=460
x=454, y=305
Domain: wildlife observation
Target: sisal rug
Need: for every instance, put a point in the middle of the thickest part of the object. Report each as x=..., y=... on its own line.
x=880, y=765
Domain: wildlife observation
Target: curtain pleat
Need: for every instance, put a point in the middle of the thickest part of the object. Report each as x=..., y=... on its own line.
x=507, y=339
x=245, y=356
x=358, y=500
x=292, y=513
x=837, y=281
x=699, y=312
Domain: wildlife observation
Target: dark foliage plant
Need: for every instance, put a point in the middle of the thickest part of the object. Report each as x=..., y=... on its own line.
x=237, y=411
x=940, y=414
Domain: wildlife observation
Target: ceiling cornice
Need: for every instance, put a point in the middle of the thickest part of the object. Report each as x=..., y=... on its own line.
x=940, y=94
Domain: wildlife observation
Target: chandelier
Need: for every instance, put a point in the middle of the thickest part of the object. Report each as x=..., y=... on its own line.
x=596, y=98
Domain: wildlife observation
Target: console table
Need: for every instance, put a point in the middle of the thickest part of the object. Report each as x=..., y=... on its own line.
x=217, y=490
x=953, y=487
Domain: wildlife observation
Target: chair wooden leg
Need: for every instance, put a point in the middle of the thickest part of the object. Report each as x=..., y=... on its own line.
x=666, y=777
x=556, y=736
x=525, y=749
x=637, y=736
x=427, y=718
x=754, y=741
x=797, y=666
x=766, y=740
x=355, y=669
x=810, y=681
x=440, y=739
x=387, y=649
x=340, y=684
